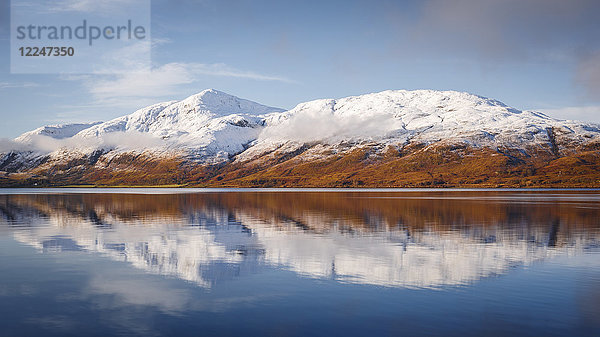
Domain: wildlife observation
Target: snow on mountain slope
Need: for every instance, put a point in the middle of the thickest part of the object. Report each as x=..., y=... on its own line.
x=425, y=116
x=210, y=123
x=59, y=131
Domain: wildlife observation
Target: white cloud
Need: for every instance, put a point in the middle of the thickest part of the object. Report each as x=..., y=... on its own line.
x=8, y=85
x=130, y=140
x=133, y=57
x=133, y=90
x=158, y=82
x=582, y=113
x=7, y=145
x=162, y=81
x=93, y=6
x=152, y=293
x=221, y=69
x=308, y=126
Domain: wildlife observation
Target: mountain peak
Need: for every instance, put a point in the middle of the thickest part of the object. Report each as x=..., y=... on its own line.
x=220, y=103
x=211, y=123
x=208, y=93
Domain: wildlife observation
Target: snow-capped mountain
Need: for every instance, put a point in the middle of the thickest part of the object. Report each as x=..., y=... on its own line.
x=399, y=117
x=195, y=121
x=208, y=125
x=58, y=131
x=214, y=123
x=420, y=115
x=213, y=127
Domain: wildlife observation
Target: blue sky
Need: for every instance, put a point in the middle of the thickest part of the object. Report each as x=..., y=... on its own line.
x=530, y=54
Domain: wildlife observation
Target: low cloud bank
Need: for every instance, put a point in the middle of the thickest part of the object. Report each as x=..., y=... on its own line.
x=129, y=140
x=332, y=128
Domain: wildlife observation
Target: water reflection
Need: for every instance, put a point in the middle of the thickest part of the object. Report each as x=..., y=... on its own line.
x=411, y=239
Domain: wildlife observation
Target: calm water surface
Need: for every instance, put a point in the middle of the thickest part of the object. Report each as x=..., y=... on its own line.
x=297, y=263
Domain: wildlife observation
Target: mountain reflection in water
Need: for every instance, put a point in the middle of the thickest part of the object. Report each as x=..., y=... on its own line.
x=395, y=239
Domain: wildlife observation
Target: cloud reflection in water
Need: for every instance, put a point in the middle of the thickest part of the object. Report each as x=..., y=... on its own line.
x=413, y=240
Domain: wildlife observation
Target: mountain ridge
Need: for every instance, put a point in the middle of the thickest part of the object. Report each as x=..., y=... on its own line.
x=214, y=138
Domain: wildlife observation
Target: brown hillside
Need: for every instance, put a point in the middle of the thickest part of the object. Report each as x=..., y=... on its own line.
x=367, y=166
